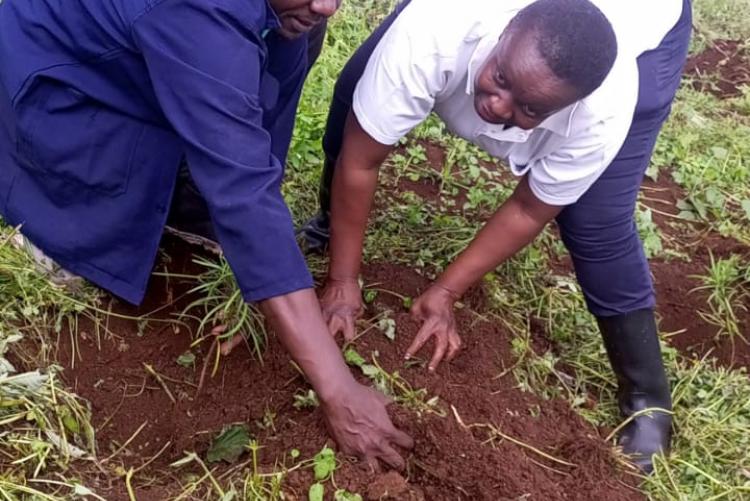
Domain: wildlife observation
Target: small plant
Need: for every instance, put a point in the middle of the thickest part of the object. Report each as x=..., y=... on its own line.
x=393, y=385
x=728, y=293
x=305, y=400
x=220, y=303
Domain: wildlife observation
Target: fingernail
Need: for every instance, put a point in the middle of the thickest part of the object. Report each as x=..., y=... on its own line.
x=431, y=369
x=407, y=356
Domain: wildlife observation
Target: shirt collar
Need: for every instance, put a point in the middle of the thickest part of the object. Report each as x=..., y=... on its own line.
x=272, y=20
x=558, y=123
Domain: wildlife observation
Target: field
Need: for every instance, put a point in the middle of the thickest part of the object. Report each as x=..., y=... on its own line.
x=101, y=400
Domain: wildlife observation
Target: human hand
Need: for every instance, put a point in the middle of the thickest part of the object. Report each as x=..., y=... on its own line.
x=341, y=304
x=357, y=420
x=434, y=308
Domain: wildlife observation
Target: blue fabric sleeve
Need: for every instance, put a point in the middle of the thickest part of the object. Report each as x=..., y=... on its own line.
x=205, y=60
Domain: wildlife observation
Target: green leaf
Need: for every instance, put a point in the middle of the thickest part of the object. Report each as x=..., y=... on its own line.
x=388, y=327
x=746, y=207
x=369, y=295
x=369, y=370
x=316, y=492
x=353, y=358
x=294, y=453
x=344, y=495
x=324, y=463
x=229, y=445
x=187, y=359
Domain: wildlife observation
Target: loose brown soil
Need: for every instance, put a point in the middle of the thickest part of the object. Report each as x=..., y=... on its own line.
x=721, y=69
x=449, y=461
x=679, y=303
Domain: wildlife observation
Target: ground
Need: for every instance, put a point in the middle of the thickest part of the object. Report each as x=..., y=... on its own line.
x=128, y=403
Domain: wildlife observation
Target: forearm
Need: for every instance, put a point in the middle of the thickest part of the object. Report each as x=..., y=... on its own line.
x=513, y=226
x=354, y=184
x=296, y=319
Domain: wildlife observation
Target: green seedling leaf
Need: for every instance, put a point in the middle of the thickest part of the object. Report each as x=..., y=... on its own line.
x=369, y=370
x=70, y=422
x=746, y=207
x=309, y=399
x=714, y=197
x=324, y=463
x=316, y=492
x=344, y=495
x=187, y=359
x=719, y=152
x=388, y=327
x=294, y=453
x=353, y=358
x=369, y=295
x=408, y=302
x=229, y=445
x=82, y=490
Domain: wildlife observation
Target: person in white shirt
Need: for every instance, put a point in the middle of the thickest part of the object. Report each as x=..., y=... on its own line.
x=572, y=95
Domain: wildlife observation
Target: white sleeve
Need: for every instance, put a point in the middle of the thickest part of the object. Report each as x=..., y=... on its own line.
x=563, y=176
x=403, y=76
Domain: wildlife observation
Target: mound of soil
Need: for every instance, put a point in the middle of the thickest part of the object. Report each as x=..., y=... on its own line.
x=721, y=69
x=452, y=459
x=680, y=304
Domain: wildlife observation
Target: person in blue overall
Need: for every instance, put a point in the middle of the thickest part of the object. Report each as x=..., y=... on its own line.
x=571, y=94
x=99, y=104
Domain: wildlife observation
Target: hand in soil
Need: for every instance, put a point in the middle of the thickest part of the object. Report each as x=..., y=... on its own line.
x=358, y=422
x=434, y=308
x=341, y=303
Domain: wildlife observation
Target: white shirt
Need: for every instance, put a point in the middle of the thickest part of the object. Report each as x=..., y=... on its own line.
x=428, y=60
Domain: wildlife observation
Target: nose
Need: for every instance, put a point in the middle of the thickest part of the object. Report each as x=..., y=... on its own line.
x=501, y=106
x=325, y=8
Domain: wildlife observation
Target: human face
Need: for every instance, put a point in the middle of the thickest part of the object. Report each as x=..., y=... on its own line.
x=515, y=87
x=299, y=16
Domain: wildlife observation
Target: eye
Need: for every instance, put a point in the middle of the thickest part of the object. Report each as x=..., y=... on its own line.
x=500, y=79
x=529, y=112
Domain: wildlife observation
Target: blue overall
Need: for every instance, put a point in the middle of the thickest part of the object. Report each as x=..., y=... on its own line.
x=100, y=100
x=599, y=230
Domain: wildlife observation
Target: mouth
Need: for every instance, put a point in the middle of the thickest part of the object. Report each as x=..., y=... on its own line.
x=296, y=26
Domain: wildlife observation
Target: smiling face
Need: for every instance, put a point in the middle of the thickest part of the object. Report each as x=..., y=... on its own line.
x=299, y=16
x=516, y=87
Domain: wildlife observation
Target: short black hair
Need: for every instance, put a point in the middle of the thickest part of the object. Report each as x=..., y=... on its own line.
x=575, y=39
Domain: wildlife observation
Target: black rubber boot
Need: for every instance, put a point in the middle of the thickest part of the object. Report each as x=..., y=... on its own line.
x=189, y=218
x=633, y=347
x=316, y=232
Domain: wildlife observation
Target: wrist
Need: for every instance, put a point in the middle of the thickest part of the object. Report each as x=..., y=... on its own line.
x=453, y=294
x=342, y=279
x=332, y=390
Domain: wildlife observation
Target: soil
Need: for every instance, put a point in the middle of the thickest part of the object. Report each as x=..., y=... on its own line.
x=450, y=460
x=678, y=301
x=722, y=69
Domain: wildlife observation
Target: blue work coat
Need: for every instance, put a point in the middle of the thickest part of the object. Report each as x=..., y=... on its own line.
x=100, y=100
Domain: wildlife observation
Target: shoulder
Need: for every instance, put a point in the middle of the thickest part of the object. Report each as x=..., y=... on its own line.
x=446, y=26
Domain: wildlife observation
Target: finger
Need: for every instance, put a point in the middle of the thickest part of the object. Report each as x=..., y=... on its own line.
x=227, y=346
x=401, y=439
x=392, y=458
x=419, y=340
x=218, y=330
x=349, y=329
x=335, y=325
x=372, y=463
x=454, y=344
x=441, y=345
